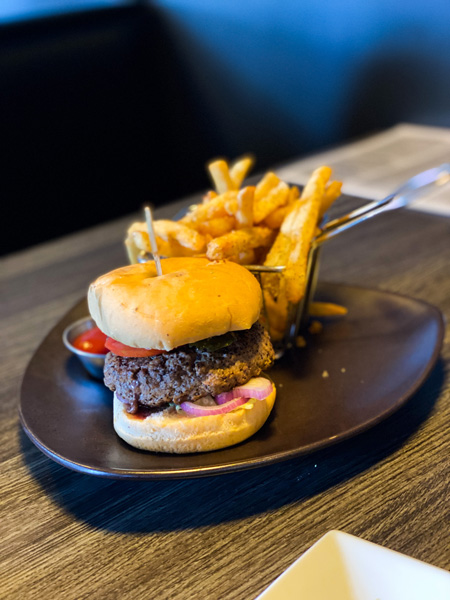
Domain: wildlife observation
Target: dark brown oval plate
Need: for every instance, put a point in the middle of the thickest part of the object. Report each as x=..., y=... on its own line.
x=359, y=370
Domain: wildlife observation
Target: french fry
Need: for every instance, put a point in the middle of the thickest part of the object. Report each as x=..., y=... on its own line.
x=135, y=235
x=326, y=309
x=294, y=194
x=138, y=241
x=311, y=198
x=209, y=196
x=263, y=187
x=277, y=256
x=292, y=244
x=219, y=206
x=230, y=202
x=244, y=212
x=180, y=233
x=239, y=170
x=221, y=177
x=300, y=224
x=132, y=250
x=231, y=245
x=276, y=218
x=216, y=227
x=277, y=196
x=276, y=315
x=332, y=193
x=172, y=238
x=247, y=257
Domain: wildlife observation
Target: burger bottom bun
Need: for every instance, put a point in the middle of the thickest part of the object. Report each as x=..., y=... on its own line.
x=181, y=434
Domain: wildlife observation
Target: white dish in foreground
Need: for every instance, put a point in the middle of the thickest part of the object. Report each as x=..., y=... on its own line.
x=344, y=567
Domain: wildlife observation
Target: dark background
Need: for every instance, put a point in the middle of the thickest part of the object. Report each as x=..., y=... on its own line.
x=104, y=110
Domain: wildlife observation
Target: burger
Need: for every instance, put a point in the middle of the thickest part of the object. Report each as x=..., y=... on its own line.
x=186, y=353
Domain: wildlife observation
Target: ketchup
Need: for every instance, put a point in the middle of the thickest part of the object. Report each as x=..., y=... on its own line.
x=92, y=340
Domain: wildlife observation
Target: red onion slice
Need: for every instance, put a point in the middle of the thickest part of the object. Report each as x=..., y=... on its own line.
x=257, y=388
x=196, y=410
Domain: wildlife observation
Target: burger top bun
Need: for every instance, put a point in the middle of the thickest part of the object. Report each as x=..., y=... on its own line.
x=166, y=431
x=194, y=299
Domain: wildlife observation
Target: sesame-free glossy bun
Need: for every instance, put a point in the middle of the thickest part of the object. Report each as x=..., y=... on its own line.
x=180, y=433
x=194, y=299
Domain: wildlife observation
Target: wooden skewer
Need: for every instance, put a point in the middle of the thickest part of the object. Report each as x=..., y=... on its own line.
x=151, y=235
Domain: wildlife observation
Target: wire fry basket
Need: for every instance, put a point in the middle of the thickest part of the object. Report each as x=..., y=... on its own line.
x=298, y=314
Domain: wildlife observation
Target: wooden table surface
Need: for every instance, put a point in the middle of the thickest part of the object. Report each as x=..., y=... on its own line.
x=73, y=536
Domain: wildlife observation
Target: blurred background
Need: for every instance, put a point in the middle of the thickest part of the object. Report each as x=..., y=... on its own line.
x=109, y=104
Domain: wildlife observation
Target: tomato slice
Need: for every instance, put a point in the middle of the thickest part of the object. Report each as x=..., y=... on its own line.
x=93, y=340
x=124, y=350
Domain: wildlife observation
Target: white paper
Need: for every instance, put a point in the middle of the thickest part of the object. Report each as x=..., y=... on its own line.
x=376, y=166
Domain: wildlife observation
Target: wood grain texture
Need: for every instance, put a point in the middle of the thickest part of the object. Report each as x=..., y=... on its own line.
x=73, y=536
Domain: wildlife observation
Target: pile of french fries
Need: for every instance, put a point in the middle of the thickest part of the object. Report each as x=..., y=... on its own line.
x=269, y=224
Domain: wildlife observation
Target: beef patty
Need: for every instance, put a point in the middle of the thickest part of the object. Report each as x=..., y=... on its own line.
x=188, y=373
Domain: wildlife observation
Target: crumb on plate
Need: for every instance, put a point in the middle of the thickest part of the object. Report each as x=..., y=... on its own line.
x=300, y=341
x=315, y=327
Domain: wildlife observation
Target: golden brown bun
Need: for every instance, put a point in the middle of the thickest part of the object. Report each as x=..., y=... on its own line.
x=180, y=434
x=194, y=299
